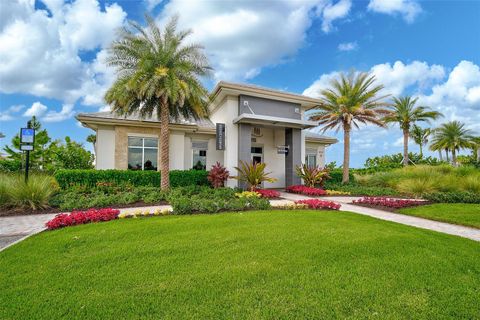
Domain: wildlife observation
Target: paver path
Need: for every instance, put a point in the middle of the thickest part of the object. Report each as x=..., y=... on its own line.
x=461, y=231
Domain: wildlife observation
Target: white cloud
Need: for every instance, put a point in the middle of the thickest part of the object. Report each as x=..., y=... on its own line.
x=151, y=4
x=348, y=46
x=8, y=114
x=37, y=109
x=50, y=42
x=54, y=116
x=409, y=9
x=333, y=12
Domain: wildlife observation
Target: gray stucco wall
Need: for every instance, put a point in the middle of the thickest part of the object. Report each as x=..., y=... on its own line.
x=268, y=107
x=293, y=138
x=244, y=145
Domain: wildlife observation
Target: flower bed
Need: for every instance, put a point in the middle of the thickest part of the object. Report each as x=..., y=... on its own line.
x=308, y=191
x=269, y=194
x=82, y=217
x=319, y=204
x=388, y=202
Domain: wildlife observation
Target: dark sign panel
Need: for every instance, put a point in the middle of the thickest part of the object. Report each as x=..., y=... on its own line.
x=220, y=136
x=282, y=149
x=27, y=135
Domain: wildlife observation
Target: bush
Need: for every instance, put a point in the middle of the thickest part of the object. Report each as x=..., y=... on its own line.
x=7, y=165
x=452, y=197
x=336, y=176
x=218, y=175
x=82, y=217
x=90, y=178
x=253, y=174
x=358, y=190
x=312, y=176
x=34, y=195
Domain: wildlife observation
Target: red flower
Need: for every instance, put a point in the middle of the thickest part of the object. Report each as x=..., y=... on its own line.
x=308, y=191
x=388, y=202
x=319, y=204
x=269, y=194
x=82, y=217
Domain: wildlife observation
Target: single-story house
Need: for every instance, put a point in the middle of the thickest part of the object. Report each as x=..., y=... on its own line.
x=247, y=122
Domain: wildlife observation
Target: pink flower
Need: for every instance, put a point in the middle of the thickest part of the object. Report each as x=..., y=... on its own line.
x=82, y=217
x=319, y=204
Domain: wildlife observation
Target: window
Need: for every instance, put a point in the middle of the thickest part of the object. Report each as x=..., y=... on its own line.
x=199, y=155
x=311, y=158
x=142, y=153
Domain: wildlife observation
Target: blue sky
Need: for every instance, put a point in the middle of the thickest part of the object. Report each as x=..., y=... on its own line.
x=51, y=54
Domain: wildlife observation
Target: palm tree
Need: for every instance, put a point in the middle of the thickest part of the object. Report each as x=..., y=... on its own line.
x=352, y=99
x=406, y=114
x=158, y=74
x=476, y=148
x=453, y=136
x=420, y=136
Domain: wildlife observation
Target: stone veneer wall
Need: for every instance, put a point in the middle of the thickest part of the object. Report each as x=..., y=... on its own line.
x=121, y=143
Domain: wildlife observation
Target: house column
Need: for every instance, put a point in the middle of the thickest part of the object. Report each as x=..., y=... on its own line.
x=244, y=146
x=293, y=139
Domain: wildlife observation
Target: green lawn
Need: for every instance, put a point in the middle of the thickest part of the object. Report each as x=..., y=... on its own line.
x=270, y=264
x=457, y=213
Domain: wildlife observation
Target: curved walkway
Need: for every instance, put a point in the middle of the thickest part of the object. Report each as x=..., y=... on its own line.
x=16, y=228
x=461, y=231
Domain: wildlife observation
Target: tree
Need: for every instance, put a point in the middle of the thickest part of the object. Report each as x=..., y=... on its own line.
x=406, y=113
x=452, y=136
x=92, y=138
x=69, y=154
x=420, y=136
x=352, y=99
x=158, y=74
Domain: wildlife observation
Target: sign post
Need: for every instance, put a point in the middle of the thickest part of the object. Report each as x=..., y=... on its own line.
x=27, y=140
x=220, y=136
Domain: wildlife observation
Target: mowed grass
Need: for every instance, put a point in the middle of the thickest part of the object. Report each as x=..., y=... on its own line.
x=457, y=213
x=255, y=265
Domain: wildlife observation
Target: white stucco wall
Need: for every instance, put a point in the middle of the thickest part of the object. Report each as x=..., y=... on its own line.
x=320, y=152
x=228, y=111
x=105, y=148
x=177, y=150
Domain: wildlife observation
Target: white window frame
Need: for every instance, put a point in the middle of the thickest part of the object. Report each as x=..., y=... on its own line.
x=143, y=137
x=308, y=154
x=193, y=141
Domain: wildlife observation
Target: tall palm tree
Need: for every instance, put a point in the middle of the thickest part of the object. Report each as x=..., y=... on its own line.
x=453, y=136
x=420, y=136
x=476, y=148
x=158, y=74
x=406, y=113
x=351, y=100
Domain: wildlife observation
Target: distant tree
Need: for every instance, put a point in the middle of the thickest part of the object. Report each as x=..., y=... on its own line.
x=406, y=113
x=158, y=74
x=69, y=155
x=92, y=138
x=351, y=99
x=420, y=136
x=453, y=136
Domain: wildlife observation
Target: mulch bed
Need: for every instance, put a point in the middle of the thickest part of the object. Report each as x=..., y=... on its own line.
x=17, y=212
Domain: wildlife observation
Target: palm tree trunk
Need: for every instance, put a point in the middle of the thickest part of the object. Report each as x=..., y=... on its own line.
x=346, y=155
x=164, y=147
x=440, y=154
x=421, y=151
x=446, y=152
x=478, y=154
x=454, y=157
x=405, y=147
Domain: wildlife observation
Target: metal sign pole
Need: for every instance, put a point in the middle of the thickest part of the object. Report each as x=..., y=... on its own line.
x=27, y=160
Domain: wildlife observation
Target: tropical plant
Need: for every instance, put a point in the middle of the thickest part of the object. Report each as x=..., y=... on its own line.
x=420, y=136
x=158, y=75
x=452, y=136
x=34, y=195
x=69, y=154
x=406, y=113
x=92, y=138
x=253, y=174
x=218, y=175
x=352, y=99
x=312, y=176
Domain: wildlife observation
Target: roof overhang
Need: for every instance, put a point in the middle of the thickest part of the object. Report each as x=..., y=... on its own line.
x=224, y=89
x=274, y=121
x=94, y=122
x=326, y=141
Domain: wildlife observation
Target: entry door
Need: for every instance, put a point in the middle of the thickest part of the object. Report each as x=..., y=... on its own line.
x=257, y=154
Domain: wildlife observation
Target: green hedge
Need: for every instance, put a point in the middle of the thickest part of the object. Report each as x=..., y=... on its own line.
x=10, y=165
x=452, y=197
x=178, y=178
x=337, y=175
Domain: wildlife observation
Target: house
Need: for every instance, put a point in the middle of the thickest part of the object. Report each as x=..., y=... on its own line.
x=247, y=122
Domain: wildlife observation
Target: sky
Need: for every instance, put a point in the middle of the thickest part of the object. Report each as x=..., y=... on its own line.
x=52, y=55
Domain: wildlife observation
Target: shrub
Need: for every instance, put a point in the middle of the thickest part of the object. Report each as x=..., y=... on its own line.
x=308, y=191
x=269, y=194
x=471, y=184
x=312, y=176
x=319, y=204
x=90, y=178
x=253, y=174
x=359, y=190
x=388, y=202
x=7, y=165
x=416, y=186
x=336, y=176
x=452, y=197
x=218, y=175
x=33, y=195
x=82, y=217
x=247, y=194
